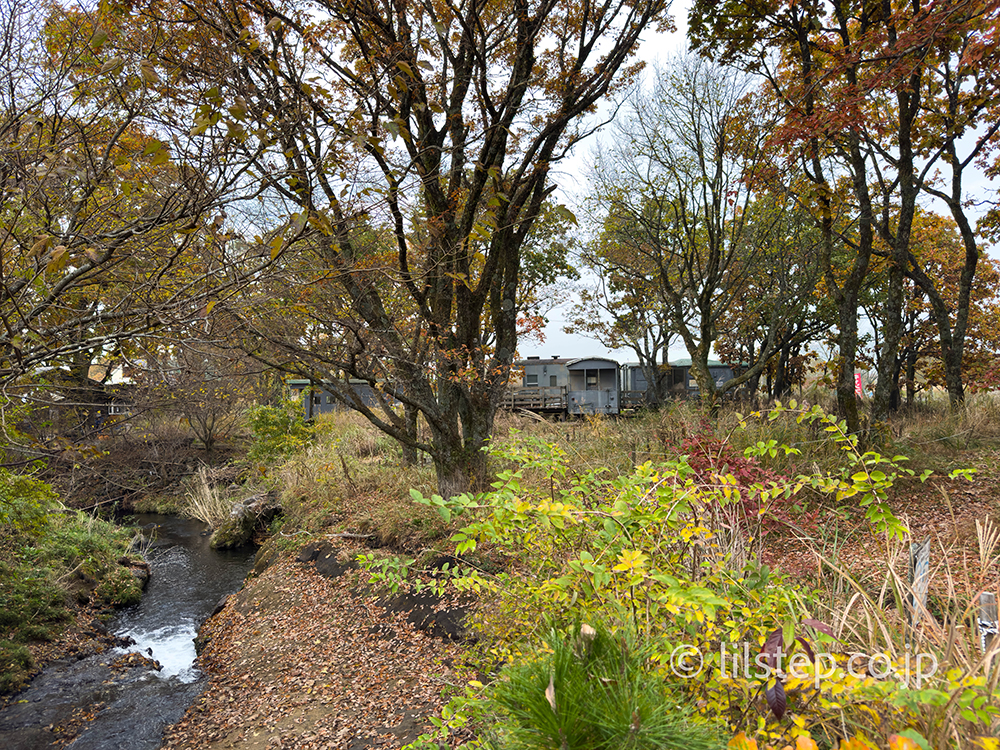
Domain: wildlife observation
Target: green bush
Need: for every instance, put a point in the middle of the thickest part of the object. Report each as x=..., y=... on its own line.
x=24, y=501
x=119, y=588
x=278, y=432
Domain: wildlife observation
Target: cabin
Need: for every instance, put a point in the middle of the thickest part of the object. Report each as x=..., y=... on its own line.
x=593, y=386
x=635, y=387
x=688, y=386
x=542, y=388
x=316, y=398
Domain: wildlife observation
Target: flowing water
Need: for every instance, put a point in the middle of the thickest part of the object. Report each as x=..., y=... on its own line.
x=188, y=580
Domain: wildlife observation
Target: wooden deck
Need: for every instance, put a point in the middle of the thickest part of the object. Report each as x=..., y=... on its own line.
x=547, y=400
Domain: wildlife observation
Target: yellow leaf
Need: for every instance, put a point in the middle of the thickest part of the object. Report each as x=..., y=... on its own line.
x=276, y=245
x=41, y=244
x=111, y=65
x=857, y=743
x=58, y=259
x=148, y=72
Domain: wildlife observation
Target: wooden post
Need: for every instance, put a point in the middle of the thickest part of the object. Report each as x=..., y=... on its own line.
x=920, y=566
x=987, y=620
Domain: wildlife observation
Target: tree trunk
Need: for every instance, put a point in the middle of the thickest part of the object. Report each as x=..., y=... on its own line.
x=911, y=375
x=410, y=427
x=460, y=467
x=782, y=384
x=892, y=334
x=847, y=400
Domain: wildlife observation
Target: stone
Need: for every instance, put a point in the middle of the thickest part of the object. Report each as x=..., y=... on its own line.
x=252, y=513
x=326, y=558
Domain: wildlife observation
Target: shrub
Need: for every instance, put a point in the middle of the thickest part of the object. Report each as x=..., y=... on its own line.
x=24, y=501
x=278, y=432
x=639, y=551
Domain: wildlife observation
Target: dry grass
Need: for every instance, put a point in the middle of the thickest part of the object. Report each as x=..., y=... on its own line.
x=206, y=502
x=353, y=477
x=878, y=616
x=932, y=427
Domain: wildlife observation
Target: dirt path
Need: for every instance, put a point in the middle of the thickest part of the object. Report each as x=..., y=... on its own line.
x=300, y=660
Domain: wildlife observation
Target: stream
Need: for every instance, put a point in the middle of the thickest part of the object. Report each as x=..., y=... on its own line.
x=188, y=580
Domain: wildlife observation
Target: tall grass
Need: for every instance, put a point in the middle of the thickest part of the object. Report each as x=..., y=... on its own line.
x=206, y=502
x=884, y=617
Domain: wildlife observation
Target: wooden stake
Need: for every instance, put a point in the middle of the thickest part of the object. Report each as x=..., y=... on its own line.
x=987, y=620
x=920, y=568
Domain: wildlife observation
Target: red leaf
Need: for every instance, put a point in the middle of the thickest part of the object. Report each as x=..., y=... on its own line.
x=822, y=627
x=772, y=647
x=808, y=649
x=776, y=698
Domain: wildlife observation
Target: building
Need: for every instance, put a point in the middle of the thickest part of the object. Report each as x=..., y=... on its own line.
x=317, y=398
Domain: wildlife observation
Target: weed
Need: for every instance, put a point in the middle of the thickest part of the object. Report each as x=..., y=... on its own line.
x=206, y=502
x=16, y=665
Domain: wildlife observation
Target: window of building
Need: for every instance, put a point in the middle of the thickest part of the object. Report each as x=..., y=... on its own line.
x=531, y=379
x=317, y=400
x=329, y=399
x=553, y=380
x=591, y=380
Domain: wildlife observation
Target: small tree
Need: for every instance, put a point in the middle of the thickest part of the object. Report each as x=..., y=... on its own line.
x=209, y=387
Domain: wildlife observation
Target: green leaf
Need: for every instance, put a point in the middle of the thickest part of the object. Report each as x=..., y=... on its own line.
x=98, y=39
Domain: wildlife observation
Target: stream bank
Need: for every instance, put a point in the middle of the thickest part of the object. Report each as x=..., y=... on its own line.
x=123, y=687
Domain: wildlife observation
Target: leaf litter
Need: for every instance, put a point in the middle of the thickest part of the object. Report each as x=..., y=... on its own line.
x=297, y=660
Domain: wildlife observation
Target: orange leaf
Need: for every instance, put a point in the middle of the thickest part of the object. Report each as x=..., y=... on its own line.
x=805, y=743
x=857, y=743
x=897, y=742
x=742, y=742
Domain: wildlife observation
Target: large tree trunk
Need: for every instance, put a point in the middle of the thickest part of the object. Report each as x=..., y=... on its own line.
x=460, y=460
